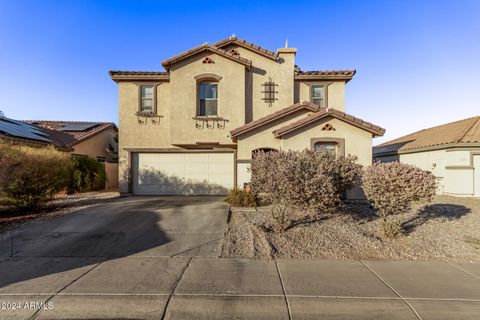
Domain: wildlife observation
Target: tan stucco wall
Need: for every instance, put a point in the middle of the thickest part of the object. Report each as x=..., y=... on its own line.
x=281, y=72
x=96, y=146
x=358, y=142
x=231, y=99
x=335, y=93
x=111, y=171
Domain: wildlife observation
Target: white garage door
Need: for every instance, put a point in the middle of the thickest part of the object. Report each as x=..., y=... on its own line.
x=476, y=173
x=182, y=173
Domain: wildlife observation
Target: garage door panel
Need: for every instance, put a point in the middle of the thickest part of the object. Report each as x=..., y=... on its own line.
x=196, y=168
x=196, y=157
x=171, y=157
x=221, y=157
x=148, y=161
x=219, y=168
x=182, y=173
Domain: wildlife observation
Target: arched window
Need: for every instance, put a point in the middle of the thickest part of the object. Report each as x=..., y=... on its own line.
x=265, y=150
x=208, y=97
x=207, y=93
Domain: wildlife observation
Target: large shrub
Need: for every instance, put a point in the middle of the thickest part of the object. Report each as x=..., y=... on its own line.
x=393, y=188
x=29, y=176
x=241, y=198
x=306, y=181
x=87, y=174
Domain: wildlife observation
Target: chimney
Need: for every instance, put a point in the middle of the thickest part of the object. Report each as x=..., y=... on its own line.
x=286, y=58
x=287, y=55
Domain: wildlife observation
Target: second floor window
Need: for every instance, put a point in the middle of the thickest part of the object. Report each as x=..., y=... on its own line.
x=318, y=95
x=146, y=101
x=208, y=99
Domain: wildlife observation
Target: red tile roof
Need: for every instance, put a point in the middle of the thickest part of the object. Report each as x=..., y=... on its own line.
x=317, y=114
x=325, y=74
x=462, y=131
x=69, y=138
x=118, y=75
x=329, y=72
x=247, y=45
x=217, y=47
x=205, y=47
x=325, y=112
x=273, y=116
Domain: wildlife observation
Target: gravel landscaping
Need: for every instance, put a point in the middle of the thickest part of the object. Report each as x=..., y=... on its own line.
x=446, y=230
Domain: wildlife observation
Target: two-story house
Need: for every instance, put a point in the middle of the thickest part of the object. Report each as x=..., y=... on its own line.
x=194, y=128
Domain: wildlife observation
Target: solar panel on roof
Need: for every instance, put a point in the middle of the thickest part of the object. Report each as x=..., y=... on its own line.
x=76, y=126
x=22, y=130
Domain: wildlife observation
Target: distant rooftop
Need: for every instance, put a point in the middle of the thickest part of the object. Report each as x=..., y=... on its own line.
x=462, y=131
x=62, y=134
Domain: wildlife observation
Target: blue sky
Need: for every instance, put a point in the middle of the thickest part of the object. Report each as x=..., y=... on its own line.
x=417, y=63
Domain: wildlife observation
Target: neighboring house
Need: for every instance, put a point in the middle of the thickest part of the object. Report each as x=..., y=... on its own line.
x=94, y=139
x=19, y=132
x=195, y=128
x=450, y=151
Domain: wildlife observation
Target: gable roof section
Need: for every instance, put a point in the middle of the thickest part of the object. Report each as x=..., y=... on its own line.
x=70, y=133
x=247, y=45
x=462, y=131
x=205, y=47
x=325, y=112
x=273, y=116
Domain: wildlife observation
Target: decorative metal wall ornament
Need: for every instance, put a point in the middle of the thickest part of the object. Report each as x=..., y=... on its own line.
x=142, y=117
x=270, y=92
x=210, y=122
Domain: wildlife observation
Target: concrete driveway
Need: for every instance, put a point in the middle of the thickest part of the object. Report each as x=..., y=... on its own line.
x=156, y=258
x=140, y=226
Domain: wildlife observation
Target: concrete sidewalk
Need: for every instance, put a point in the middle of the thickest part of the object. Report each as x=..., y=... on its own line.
x=214, y=288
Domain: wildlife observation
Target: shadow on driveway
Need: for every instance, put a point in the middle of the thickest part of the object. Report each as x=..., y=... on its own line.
x=121, y=228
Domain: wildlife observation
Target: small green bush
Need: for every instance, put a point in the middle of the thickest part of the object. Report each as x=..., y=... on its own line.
x=241, y=198
x=29, y=176
x=392, y=188
x=87, y=174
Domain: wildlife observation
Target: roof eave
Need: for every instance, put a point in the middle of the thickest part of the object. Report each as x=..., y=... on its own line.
x=96, y=132
x=294, y=108
x=345, y=78
x=167, y=63
x=118, y=78
x=367, y=127
x=235, y=41
x=439, y=147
